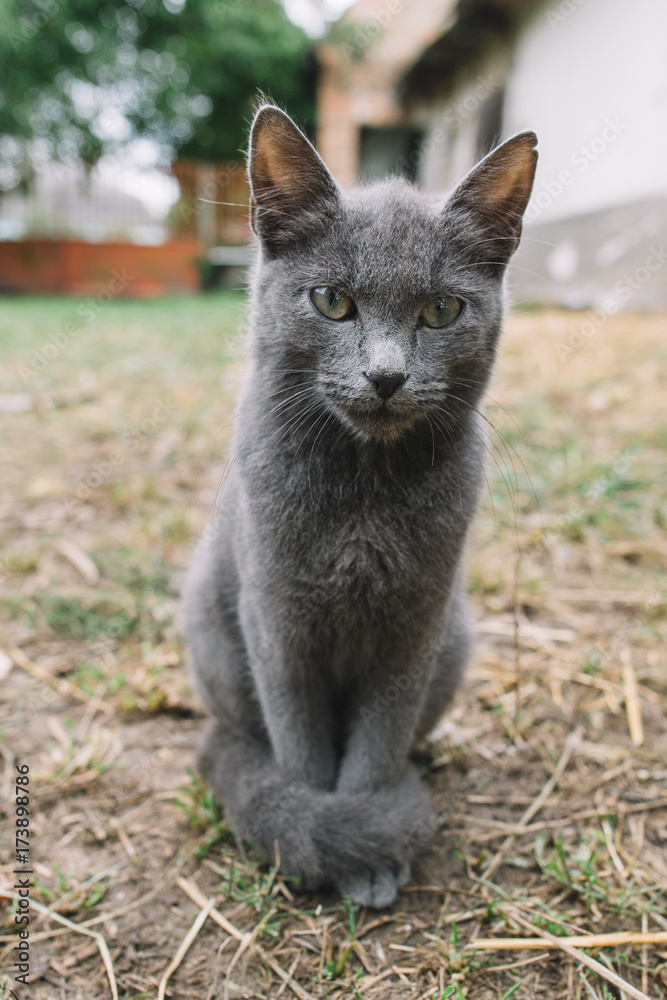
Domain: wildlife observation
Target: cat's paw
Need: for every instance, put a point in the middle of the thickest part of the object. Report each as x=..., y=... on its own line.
x=374, y=889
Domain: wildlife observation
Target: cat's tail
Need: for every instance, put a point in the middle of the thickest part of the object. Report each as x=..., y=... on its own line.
x=360, y=843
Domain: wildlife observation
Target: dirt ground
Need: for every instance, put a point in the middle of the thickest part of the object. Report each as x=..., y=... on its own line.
x=549, y=776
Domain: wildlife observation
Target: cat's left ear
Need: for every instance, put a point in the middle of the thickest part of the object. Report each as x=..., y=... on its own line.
x=496, y=192
x=291, y=188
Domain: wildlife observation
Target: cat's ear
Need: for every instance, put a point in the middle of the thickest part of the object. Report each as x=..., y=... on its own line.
x=496, y=192
x=291, y=189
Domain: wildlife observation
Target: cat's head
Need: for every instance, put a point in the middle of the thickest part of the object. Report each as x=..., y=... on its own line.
x=385, y=299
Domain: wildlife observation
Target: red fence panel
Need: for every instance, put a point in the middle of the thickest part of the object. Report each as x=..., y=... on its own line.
x=74, y=267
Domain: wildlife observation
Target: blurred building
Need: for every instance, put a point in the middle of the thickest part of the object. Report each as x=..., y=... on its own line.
x=73, y=228
x=427, y=87
x=67, y=200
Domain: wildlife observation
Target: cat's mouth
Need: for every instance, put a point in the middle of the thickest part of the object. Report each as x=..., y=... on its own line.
x=383, y=419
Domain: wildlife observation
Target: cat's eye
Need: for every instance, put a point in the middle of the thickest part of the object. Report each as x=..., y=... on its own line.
x=332, y=303
x=442, y=311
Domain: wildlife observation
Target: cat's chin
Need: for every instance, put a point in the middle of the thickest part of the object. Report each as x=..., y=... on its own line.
x=377, y=424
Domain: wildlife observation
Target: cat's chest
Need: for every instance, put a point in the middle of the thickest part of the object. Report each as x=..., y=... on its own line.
x=367, y=549
x=355, y=531
x=365, y=542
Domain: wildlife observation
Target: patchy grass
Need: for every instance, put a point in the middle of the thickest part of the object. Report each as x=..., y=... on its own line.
x=548, y=775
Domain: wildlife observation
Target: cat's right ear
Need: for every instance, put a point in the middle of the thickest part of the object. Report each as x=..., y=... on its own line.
x=495, y=194
x=291, y=189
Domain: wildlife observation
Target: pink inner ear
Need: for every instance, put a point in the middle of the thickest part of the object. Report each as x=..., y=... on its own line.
x=271, y=154
x=267, y=169
x=272, y=162
x=508, y=184
x=499, y=187
x=286, y=173
x=276, y=179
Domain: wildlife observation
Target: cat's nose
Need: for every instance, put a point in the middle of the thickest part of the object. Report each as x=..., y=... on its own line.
x=386, y=383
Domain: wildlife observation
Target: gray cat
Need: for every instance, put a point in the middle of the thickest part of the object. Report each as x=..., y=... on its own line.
x=325, y=613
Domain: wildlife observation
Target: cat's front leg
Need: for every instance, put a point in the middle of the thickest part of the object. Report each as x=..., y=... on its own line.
x=375, y=768
x=381, y=732
x=299, y=721
x=398, y=707
x=297, y=713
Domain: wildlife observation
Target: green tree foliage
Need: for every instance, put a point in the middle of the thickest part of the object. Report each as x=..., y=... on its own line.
x=79, y=78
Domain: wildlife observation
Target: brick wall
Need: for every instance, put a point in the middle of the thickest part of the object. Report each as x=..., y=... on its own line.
x=377, y=40
x=73, y=267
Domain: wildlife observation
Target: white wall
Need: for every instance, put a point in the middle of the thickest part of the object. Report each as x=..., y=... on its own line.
x=451, y=127
x=590, y=77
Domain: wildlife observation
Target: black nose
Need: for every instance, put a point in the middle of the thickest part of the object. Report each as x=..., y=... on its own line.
x=386, y=383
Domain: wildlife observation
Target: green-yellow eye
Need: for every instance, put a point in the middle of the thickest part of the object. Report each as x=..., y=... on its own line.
x=332, y=303
x=442, y=311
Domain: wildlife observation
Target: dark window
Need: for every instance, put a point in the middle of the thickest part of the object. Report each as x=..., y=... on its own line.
x=386, y=152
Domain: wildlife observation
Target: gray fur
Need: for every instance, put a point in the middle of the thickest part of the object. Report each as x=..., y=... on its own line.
x=325, y=613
